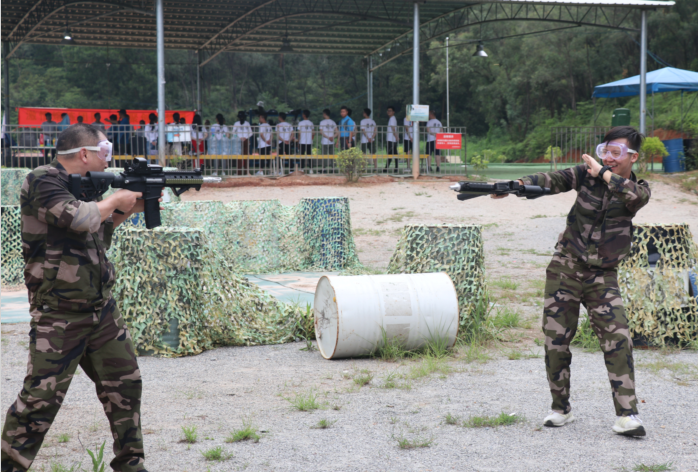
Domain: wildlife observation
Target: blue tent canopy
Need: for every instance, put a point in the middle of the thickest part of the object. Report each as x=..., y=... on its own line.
x=668, y=79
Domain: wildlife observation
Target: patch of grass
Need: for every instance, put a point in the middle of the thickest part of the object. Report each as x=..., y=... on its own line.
x=58, y=467
x=97, y=459
x=323, y=424
x=428, y=366
x=452, y=420
x=506, y=318
x=305, y=401
x=653, y=468
x=679, y=372
x=309, y=346
x=248, y=432
x=414, y=443
x=490, y=225
x=363, y=379
x=368, y=232
x=539, y=342
x=515, y=355
x=393, y=349
x=216, y=454
x=505, y=283
x=585, y=336
x=504, y=419
x=190, y=434
x=539, y=216
x=392, y=380
x=63, y=438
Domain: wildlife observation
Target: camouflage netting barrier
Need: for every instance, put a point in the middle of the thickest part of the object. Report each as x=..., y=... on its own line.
x=454, y=249
x=172, y=283
x=264, y=236
x=11, y=181
x=12, y=262
x=654, y=284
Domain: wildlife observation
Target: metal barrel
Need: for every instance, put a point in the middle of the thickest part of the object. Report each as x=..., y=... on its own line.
x=354, y=315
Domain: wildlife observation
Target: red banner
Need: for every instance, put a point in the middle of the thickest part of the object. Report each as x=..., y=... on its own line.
x=36, y=116
x=449, y=141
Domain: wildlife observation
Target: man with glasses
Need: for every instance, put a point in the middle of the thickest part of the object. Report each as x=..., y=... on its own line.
x=75, y=319
x=583, y=270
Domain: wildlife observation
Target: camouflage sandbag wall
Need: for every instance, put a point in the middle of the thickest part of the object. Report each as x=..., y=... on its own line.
x=171, y=278
x=11, y=181
x=12, y=263
x=454, y=249
x=265, y=236
x=654, y=285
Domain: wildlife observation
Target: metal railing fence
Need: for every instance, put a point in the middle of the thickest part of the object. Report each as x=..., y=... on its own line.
x=569, y=143
x=235, y=150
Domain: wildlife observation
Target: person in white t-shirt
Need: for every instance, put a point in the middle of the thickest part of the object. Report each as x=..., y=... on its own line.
x=306, y=134
x=220, y=144
x=329, y=132
x=434, y=126
x=392, y=138
x=264, y=141
x=284, y=134
x=368, y=136
x=243, y=130
x=151, y=134
x=407, y=131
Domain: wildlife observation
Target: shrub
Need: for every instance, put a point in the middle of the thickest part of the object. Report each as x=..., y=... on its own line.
x=352, y=163
x=651, y=148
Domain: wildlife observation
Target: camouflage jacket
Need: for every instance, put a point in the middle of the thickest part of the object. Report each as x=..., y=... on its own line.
x=64, y=245
x=599, y=225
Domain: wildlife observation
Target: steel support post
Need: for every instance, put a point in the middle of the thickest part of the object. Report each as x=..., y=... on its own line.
x=160, y=34
x=643, y=72
x=6, y=85
x=448, y=97
x=415, y=91
x=198, y=86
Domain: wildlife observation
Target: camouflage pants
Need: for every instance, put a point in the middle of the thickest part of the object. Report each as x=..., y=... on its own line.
x=101, y=344
x=569, y=283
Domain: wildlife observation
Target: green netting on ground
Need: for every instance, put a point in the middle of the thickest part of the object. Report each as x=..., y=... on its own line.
x=454, y=249
x=265, y=236
x=11, y=181
x=656, y=297
x=172, y=277
x=12, y=264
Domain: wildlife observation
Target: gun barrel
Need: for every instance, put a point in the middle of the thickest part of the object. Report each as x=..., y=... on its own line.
x=212, y=180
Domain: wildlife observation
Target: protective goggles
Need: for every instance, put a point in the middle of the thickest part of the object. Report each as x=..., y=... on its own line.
x=103, y=150
x=615, y=151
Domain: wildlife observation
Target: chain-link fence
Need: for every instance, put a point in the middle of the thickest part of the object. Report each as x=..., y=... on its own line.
x=264, y=150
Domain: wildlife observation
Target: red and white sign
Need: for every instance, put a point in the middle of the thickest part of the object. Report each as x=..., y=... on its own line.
x=449, y=141
x=34, y=116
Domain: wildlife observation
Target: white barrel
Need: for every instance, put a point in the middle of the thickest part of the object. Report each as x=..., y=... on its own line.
x=351, y=313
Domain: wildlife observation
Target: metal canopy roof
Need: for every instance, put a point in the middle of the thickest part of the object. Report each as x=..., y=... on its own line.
x=356, y=27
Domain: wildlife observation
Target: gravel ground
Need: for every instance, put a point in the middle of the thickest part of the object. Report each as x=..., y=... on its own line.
x=218, y=390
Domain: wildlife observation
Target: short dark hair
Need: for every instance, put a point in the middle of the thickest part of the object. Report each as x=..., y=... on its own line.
x=48, y=115
x=327, y=112
x=390, y=107
x=80, y=119
x=220, y=118
x=282, y=115
x=98, y=115
x=344, y=107
x=634, y=137
x=122, y=111
x=306, y=113
x=142, y=122
x=196, y=120
x=152, y=116
x=367, y=111
x=175, y=116
x=112, y=117
x=74, y=136
x=63, y=115
x=263, y=115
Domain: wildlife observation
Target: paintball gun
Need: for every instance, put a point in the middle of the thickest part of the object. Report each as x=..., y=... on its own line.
x=468, y=190
x=139, y=177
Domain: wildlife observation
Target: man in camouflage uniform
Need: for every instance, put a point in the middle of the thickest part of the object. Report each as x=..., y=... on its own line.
x=583, y=270
x=75, y=320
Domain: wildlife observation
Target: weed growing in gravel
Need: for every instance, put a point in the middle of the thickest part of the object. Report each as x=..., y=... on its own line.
x=506, y=318
x=323, y=424
x=679, y=372
x=363, y=379
x=58, y=467
x=450, y=419
x=539, y=342
x=585, y=337
x=515, y=355
x=247, y=433
x=63, y=438
x=534, y=217
x=216, y=454
x=504, y=419
x=505, y=283
x=97, y=459
x=406, y=443
x=652, y=468
x=392, y=381
x=190, y=434
x=428, y=366
x=305, y=401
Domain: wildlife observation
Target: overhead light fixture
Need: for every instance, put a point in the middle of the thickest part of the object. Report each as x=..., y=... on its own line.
x=286, y=46
x=67, y=37
x=480, y=51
